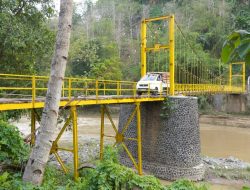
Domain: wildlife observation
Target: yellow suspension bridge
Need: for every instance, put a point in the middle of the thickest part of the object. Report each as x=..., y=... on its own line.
x=188, y=76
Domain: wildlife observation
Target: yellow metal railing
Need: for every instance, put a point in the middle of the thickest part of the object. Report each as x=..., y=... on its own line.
x=199, y=89
x=34, y=88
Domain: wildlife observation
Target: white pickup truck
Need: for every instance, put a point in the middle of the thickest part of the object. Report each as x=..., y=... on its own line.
x=153, y=82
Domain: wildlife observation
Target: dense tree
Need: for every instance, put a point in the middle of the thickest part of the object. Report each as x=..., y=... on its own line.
x=26, y=42
x=206, y=24
x=27, y=32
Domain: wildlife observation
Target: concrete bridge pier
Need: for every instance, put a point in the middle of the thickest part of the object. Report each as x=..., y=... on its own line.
x=170, y=146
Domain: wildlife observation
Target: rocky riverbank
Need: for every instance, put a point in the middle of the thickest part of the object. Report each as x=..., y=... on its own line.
x=89, y=151
x=225, y=163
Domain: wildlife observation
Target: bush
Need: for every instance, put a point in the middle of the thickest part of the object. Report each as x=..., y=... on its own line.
x=186, y=185
x=12, y=114
x=13, y=150
x=108, y=175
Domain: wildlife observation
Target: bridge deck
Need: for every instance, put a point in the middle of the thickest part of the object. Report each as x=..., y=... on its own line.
x=26, y=103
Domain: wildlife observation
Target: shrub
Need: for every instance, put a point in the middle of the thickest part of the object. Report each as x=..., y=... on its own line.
x=12, y=147
x=108, y=175
x=186, y=185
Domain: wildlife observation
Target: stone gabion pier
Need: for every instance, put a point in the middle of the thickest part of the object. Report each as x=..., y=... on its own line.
x=170, y=146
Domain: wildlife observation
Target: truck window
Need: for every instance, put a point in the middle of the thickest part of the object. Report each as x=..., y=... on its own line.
x=149, y=78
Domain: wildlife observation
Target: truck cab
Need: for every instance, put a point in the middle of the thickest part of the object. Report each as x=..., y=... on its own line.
x=153, y=82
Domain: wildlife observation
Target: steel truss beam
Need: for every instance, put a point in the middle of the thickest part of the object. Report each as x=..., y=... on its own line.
x=55, y=148
x=120, y=137
x=34, y=117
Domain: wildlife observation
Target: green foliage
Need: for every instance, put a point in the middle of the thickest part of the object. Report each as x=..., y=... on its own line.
x=241, y=14
x=12, y=147
x=106, y=34
x=54, y=179
x=94, y=60
x=108, y=175
x=186, y=185
x=167, y=108
x=11, y=114
x=245, y=188
x=4, y=181
x=236, y=47
x=111, y=154
x=26, y=42
x=155, y=11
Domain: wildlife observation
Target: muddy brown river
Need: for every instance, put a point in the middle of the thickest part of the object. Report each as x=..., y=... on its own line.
x=216, y=140
x=221, y=141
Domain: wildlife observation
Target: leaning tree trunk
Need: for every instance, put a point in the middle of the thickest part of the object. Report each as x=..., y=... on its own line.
x=40, y=153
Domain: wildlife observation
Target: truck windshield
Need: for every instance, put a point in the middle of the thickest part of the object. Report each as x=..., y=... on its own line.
x=149, y=78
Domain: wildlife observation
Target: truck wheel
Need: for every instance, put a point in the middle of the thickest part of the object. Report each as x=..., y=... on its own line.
x=139, y=93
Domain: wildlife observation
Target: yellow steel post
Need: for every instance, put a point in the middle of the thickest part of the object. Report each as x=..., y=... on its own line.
x=55, y=148
x=243, y=77
x=120, y=89
x=143, y=48
x=134, y=89
x=130, y=155
x=102, y=132
x=75, y=141
x=66, y=124
x=33, y=90
x=117, y=88
x=69, y=90
x=96, y=89
x=104, y=90
x=33, y=127
x=171, y=54
x=230, y=76
x=61, y=162
x=128, y=121
x=86, y=88
x=139, y=146
x=63, y=89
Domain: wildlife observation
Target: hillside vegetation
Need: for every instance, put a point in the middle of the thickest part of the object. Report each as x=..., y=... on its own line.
x=105, y=40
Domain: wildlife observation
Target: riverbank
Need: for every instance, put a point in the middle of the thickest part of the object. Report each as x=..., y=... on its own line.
x=221, y=173
x=219, y=138
x=227, y=120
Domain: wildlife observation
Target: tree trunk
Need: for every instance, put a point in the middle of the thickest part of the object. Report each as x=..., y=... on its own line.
x=34, y=170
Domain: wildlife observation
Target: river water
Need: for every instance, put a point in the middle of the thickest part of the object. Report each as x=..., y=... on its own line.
x=224, y=141
x=216, y=140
